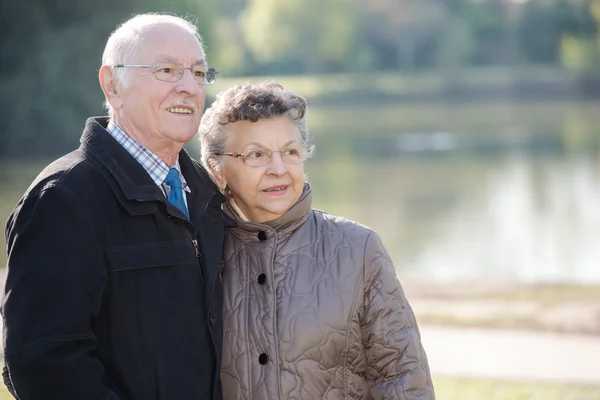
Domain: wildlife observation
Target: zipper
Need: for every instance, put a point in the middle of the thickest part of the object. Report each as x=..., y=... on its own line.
x=197, y=250
x=195, y=243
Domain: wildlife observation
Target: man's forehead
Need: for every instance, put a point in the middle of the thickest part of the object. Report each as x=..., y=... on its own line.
x=169, y=43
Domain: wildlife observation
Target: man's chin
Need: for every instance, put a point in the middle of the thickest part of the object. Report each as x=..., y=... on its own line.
x=183, y=135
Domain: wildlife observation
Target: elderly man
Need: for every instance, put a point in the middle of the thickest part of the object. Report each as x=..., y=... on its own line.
x=112, y=288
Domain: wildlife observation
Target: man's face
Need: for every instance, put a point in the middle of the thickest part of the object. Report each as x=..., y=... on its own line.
x=160, y=114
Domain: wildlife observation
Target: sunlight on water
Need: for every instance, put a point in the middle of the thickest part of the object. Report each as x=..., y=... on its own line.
x=529, y=223
x=518, y=200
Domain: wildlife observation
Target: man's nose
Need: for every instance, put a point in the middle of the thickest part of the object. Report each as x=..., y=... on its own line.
x=188, y=83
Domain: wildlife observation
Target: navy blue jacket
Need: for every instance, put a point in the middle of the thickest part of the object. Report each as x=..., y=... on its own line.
x=111, y=293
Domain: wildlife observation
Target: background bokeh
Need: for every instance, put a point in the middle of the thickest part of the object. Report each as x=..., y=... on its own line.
x=466, y=132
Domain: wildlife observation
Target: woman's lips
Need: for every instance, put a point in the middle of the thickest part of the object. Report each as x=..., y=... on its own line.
x=278, y=190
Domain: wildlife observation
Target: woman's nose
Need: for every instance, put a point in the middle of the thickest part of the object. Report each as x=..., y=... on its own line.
x=277, y=166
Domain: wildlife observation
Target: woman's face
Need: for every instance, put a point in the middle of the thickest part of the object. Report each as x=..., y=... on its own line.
x=263, y=193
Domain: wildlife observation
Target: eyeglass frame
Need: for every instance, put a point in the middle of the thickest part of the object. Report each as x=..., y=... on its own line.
x=270, y=157
x=210, y=70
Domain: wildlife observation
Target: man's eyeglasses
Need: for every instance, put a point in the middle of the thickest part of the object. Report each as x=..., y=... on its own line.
x=172, y=72
x=262, y=157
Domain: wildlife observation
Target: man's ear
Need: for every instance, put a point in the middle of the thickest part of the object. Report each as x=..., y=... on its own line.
x=109, y=87
x=217, y=173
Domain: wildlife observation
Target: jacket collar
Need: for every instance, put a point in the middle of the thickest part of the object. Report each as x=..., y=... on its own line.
x=286, y=224
x=132, y=179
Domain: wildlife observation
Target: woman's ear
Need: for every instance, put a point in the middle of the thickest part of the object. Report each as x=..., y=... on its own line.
x=217, y=173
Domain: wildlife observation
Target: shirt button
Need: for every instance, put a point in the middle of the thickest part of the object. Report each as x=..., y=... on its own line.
x=262, y=278
x=262, y=235
x=263, y=359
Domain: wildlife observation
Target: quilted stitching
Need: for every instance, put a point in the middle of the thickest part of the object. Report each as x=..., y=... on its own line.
x=331, y=316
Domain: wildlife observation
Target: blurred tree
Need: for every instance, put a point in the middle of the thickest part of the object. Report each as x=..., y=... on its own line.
x=312, y=36
x=579, y=55
x=231, y=54
x=398, y=29
x=50, y=54
x=230, y=8
x=595, y=13
x=488, y=21
x=579, y=48
x=575, y=18
x=454, y=50
x=540, y=32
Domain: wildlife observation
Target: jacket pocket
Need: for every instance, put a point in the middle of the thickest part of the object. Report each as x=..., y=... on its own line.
x=150, y=255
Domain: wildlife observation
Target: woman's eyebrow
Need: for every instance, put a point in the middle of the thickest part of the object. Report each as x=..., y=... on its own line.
x=254, y=144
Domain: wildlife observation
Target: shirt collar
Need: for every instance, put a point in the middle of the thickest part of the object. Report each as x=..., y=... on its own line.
x=156, y=168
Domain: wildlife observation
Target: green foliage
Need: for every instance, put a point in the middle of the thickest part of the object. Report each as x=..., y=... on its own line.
x=230, y=58
x=540, y=33
x=579, y=55
x=309, y=35
x=50, y=52
x=50, y=61
x=455, y=47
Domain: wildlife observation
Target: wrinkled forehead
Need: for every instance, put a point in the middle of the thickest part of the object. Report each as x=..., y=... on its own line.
x=268, y=133
x=169, y=43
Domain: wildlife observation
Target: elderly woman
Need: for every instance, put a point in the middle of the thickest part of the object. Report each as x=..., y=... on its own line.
x=312, y=306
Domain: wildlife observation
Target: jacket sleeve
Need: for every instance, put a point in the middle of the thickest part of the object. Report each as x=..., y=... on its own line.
x=54, y=285
x=397, y=365
x=7, y=382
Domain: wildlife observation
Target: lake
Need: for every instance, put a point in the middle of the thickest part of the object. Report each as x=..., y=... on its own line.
x=457, y=191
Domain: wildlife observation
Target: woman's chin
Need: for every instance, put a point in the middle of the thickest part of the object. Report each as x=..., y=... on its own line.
x=269, y=214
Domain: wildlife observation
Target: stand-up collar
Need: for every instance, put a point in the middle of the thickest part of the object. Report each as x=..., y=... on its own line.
x=286, y=224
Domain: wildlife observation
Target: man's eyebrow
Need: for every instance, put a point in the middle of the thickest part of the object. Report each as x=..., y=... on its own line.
x=167, y=58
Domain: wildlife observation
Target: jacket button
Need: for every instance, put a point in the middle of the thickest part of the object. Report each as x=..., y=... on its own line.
x=262, y=278
x=262, y=235
x=263, y=359
x=211, y=320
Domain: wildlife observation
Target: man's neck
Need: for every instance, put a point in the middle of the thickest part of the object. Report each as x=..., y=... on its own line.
x=167, y=150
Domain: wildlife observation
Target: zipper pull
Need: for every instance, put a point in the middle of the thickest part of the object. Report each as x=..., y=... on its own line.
x=195, y=243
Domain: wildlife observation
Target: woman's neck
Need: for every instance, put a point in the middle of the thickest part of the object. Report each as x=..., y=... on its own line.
x=238, y=210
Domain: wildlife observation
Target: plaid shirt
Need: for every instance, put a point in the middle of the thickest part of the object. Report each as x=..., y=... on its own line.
x=156, y=168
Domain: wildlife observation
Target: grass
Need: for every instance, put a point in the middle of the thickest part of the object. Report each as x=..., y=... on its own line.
x=481, y=389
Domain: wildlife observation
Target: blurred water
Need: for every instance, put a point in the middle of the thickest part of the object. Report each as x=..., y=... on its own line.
x=518, y=218
x=457, y=191
x=518, y=200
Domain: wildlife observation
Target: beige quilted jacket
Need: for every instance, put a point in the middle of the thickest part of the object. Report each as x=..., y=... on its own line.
x=313, y=310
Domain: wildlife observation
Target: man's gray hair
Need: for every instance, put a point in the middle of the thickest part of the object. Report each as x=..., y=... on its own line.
x=250, y=101
x=123, y=43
